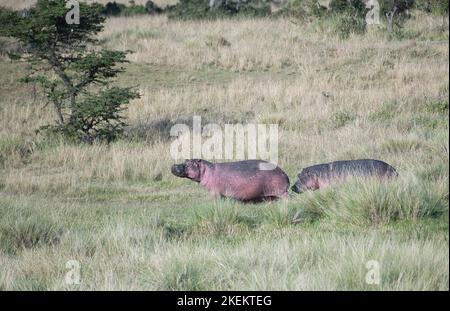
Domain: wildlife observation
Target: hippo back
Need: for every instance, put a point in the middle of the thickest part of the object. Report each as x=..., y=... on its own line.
x=248, y=167
x=363, y=167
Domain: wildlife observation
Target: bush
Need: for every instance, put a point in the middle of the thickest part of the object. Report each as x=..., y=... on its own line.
x=347, y=24
x=133, y=9
x=152, y=8
x=199, y=9
x=350, y=16
x=303, y=9
x=438, y=7
x=113, y=8
x=353, y=7
x=402, y=6
x=117, y=9
x=97, y=117
x=395, y=12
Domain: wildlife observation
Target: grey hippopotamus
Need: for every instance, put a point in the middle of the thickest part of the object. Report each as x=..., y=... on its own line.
x=247, y=181
x=317, y=176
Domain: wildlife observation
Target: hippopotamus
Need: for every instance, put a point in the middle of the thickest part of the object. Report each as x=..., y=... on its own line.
x=317, y=176
x=246, y=181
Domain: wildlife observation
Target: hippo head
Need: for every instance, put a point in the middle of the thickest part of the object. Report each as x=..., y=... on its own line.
x=306, y=181
x=192, y=169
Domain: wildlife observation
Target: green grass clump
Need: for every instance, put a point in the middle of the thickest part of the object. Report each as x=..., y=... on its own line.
x=28, y=232
x=364, y=203
x=342, y=118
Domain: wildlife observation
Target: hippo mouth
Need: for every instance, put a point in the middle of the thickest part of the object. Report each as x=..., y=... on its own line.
x=179, y=170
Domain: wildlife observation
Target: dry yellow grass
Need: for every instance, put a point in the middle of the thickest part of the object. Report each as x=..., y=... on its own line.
x=255, y=43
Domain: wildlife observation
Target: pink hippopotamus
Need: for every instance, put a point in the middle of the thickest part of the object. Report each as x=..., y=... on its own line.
x=246, y=181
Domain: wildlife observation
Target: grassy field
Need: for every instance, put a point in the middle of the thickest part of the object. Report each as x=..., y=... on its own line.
x=118, y=211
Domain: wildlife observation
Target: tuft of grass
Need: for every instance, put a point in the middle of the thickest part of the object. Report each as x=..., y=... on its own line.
x=364, y=203
x=384, y=113
x=430, y=122
x=15, y=151
x=183, y=276
x=439, y=107
x=342, y=118
x=400, y=146
x=28, y=233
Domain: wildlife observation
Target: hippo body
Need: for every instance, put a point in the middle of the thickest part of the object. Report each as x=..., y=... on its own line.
x=317, y=176
x=243, y=180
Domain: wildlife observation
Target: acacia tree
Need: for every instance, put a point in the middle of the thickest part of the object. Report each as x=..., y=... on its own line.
x=73, y=72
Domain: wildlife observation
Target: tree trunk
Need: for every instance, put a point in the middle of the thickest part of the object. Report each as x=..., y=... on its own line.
x=390, y=18
x=57, y=67
x=214, y=4
x=58, y=112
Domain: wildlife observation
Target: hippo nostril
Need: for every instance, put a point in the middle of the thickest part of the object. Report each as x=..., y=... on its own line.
x=177, y=170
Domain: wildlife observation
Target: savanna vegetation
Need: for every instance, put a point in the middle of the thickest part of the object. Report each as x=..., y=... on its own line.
x=337, y=88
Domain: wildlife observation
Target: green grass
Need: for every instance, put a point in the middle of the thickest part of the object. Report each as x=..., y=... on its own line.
x=319, y=240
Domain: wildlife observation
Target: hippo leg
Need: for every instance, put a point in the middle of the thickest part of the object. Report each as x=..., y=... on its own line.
x=276, y=197
x=270, y=198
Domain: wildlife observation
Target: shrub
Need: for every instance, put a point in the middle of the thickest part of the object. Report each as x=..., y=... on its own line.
x=347, y=24
x=200, y=9
x=355, y=7
x=349, y=16
x=133, y=9
x=395, y=12
x=402, y=6
x=113, y=8
x=438, y=7
x=117, y=9
x=152, y=8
